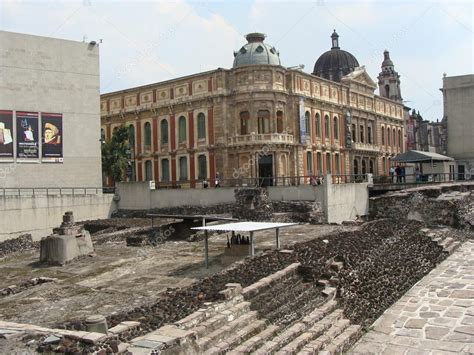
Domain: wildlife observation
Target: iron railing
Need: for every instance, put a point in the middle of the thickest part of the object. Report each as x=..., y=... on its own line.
x=54, y=191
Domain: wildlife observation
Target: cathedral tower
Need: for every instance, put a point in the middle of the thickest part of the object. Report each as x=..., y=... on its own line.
x=389, y=80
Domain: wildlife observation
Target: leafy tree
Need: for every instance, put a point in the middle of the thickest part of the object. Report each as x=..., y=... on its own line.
x=115, y=154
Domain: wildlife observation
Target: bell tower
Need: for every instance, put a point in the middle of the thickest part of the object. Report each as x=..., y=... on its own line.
x=389, y=80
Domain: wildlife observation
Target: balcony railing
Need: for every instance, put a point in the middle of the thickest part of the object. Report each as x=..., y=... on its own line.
x=366, y=146
x=261, y=138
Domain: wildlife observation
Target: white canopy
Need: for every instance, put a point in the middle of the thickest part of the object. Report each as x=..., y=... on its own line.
x=245, y=226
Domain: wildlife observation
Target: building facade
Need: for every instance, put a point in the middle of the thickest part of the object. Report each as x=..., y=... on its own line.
x=259, y=120
x=458, y=104
x=426, y=136
x=49, y=113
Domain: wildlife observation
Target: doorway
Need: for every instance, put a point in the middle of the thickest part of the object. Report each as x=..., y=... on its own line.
x=265, y=170
x=461, y=172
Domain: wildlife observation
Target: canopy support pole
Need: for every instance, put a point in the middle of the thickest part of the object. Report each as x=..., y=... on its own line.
x=252, y=245
x=206, y=249
x=277, y=235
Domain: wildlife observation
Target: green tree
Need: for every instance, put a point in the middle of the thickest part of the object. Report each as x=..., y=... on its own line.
x=115, y=154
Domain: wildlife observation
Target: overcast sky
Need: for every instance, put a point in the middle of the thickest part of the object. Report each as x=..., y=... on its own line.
x=150, y=41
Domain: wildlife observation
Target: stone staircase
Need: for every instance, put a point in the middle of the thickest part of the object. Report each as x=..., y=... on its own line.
x=279, y=314
x=442, y=238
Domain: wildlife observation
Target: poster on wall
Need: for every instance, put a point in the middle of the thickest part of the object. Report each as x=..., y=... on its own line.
x=27, y=135
x=6, y=134
x=52, y=137
x=302, y=122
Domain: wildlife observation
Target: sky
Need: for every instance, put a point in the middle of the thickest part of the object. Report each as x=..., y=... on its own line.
x=143, y=42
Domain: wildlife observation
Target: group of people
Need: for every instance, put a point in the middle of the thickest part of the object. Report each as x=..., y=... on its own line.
x=316, y=180
x=398, y=172
x=205, y=183
x=237, y=240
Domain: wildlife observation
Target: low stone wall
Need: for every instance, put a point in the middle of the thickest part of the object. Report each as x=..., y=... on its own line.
x=450, y=204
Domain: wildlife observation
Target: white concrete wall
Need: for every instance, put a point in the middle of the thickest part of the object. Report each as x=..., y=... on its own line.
x=38, y=215
x=296, y=193
x=345, y=202
x=41, y=74
x=137, y=195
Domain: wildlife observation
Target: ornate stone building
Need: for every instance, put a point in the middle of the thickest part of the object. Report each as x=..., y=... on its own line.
x=259, y=120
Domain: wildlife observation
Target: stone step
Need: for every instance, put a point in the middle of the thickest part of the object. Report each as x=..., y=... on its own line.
x=208, y=311
x=221, y=319
x=320, y=312
x=343, y=341
x=282, y=339
x=239, y=336
x=257, y=340
x=446, y=242
x=452, y=247
x=225, y=331
x=316, y=345
x=312, y=333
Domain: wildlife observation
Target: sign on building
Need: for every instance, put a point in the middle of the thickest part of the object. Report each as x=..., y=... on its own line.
x=302, y=122
x=6, y=134
x=52, y=142
x=27, y=135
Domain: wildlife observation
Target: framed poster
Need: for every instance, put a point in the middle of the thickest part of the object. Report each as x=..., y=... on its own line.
x=27, y=135
x=6, y=134
x=52, y=137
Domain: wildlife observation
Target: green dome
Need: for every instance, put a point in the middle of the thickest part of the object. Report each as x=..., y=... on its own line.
x=256, y=52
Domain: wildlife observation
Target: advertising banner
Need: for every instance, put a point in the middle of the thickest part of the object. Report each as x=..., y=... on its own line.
x=6, y=134
x=52, y=138
x=302, y=122
x=27, y=135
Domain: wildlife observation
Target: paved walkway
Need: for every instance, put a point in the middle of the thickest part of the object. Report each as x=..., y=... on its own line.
x=436, y=316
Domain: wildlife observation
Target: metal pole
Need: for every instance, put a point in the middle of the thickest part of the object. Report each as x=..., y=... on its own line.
x=277, y=234
x=204, y=221
x=252, y=245
x=206, y=249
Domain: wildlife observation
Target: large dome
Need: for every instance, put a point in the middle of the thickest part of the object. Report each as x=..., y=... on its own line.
x=256, y=52
x=335, y=63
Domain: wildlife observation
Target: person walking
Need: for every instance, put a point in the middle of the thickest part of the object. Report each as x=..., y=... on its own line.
x=398, y=173
x=392, y=173
x=403, y=179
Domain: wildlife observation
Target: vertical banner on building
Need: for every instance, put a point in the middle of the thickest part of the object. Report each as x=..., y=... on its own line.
x=52, y=138
x=27, y=135
x=347, y=121
x=302, y=122
x=6, y=134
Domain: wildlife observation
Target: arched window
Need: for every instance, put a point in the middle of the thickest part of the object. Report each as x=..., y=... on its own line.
x=400, y=139
x=164, y=131
x=318, y=125
x=394, y=139
x=102, y=134
x=328, y=163
x=148, y=171
x=336, y=128
x=387, y=91
x=327, y=132
x=131, y=135
x=147, y=134
x=201, y=126
x=183, y=168
x=354, y=133
x=182, y=129
x=115, y=130
x=279, y=121
x=364, y=167
x=244, y=123
x=337, y=163
x=309, y=163
x=263, y=121
x=319, y=162
x=356, y=167
x=388, y=135
x=165, y=170
x=202, y=167
x=369, y=134
x=307, y=124
x=371, y=166
x=361, y=131
x=383, y=135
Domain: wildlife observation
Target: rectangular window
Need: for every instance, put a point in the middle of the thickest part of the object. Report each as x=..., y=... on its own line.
x=183, y=169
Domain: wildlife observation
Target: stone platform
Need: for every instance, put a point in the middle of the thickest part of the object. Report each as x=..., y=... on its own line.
x=436, y=316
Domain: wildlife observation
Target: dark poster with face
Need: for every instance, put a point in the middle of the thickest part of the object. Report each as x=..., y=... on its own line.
x=27, y=135
x=6, y=134
x=52, y=140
